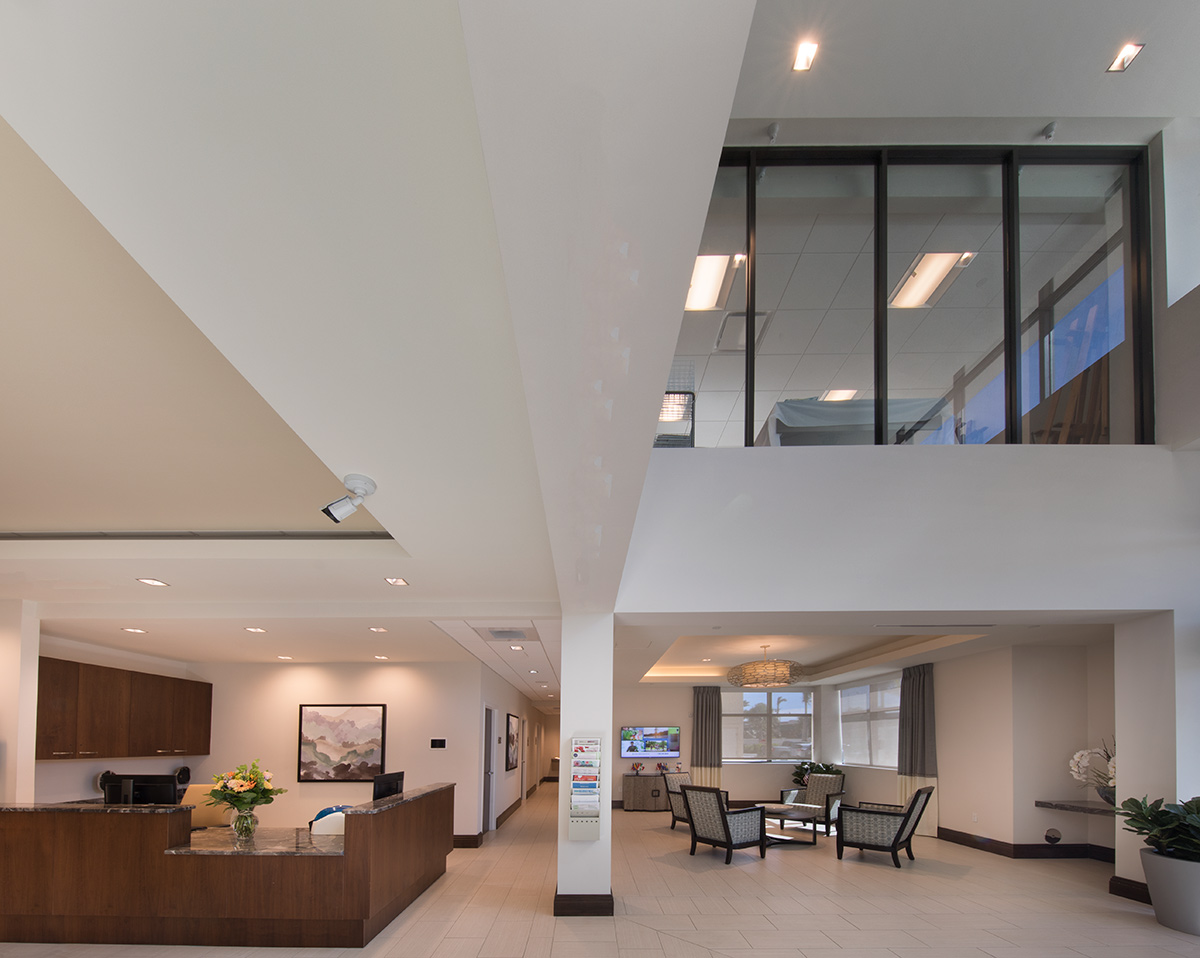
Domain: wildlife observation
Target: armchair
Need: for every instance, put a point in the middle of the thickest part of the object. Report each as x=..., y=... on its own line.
x=673, y=781
x=883, y=828
x=823, y=793
x=714, y=824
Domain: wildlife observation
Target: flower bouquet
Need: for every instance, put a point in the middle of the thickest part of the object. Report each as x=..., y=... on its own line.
x=637, y=768
x=1097, y=767
x=243, y=789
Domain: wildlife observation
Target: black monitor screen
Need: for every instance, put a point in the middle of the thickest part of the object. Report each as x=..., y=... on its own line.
x=139, y=789
x=390, y=783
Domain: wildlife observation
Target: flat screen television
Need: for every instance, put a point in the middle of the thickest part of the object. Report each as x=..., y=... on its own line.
x=650, y=741
x=140, y=788
x=387, y=784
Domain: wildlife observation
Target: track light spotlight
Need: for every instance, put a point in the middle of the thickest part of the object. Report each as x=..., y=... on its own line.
x=360, y=487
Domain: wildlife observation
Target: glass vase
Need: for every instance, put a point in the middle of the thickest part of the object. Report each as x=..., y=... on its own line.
x=244, y=824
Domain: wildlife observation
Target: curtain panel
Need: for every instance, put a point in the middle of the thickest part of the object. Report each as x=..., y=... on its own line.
x=706, y=735
x=917, y=761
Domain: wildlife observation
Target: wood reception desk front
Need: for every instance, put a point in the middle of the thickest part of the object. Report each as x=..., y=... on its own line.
x=137, y=874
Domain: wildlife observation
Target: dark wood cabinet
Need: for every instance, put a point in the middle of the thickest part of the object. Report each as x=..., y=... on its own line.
x=57, y=708
x=103, y=726
x=90, y=711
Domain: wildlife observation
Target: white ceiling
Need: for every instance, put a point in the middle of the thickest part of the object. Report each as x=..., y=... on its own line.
x=249, y=250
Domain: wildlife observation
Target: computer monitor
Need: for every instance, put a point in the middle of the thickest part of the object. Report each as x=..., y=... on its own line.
x=139, y=789
x=390, y=783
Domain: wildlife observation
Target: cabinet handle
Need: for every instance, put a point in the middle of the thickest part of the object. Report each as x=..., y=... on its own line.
x=181, y=751
x=162, y=751
x=88, y=753
x=62, y=753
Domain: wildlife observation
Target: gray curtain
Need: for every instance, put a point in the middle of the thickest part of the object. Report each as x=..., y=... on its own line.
x=706, y=735
x=918, y=753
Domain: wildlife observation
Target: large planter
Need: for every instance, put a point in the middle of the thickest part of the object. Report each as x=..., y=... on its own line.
x=1174, y=890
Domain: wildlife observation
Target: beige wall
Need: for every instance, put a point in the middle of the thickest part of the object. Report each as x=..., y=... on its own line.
x=974, y=712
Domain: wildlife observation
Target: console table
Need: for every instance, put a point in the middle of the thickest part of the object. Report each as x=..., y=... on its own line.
x=644, y=793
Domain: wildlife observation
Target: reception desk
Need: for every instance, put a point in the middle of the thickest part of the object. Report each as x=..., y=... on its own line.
x=138, y=874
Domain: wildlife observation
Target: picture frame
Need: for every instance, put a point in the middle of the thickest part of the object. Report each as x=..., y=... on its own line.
x=341, y=743
x=512, y=749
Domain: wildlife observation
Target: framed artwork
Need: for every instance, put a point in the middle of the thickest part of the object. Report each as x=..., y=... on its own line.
x=341, y=743
x=513, y=749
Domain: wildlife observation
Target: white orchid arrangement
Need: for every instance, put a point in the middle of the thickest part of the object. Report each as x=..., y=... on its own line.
x=1095, y=766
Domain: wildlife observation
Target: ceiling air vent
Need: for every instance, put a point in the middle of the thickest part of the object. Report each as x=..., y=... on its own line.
x=506, y=635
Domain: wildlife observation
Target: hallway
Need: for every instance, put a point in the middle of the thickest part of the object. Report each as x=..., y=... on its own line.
x=952, y=902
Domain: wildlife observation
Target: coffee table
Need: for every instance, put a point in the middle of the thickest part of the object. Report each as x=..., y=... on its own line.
x=792, y=813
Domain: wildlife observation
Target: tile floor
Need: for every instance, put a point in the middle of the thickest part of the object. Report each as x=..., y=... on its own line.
x=952, y=902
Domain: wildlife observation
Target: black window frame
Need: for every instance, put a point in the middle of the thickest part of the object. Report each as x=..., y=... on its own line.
x=1010, y=159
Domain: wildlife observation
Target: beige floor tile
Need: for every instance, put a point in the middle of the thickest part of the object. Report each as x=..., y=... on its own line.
x=583, y=949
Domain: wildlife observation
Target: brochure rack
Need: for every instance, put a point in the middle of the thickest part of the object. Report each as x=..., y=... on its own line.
x=584, y=816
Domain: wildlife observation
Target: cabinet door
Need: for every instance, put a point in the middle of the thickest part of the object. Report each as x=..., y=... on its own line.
x=193, y=717
x=57, y=708
x=151, y=714
x=103, y=729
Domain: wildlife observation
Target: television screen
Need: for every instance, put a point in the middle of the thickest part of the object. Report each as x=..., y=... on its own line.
x=390, y=783
x=645, y=741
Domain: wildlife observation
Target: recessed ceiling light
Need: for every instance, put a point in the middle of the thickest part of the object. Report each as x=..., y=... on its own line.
x=382, y=658
x=805, y=54
x=533, y=671
x=395, y=581
x=142, y=631
x=708, y=277
x=706, y=660
x=1125, y=57
x=286, y=658
x=675, y=407
x=545, y=686
x=378, y=628
x=251, y=628
x=929, y=276
x=550, y=696
x=158, y=582
x=838, y=395
x=517, y=648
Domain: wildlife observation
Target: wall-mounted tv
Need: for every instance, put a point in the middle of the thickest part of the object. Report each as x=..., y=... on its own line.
x=650, y=741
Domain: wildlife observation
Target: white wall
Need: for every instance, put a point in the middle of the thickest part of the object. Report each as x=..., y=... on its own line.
x=1176, y=358
x=1101, y=725
x=1050, y=724
x=256, y=716
x=550, y=744
x=501, y=696
x=973, y=703
x=18, y=700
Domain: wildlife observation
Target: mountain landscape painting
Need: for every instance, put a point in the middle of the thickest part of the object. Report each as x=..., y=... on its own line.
x=341, y=743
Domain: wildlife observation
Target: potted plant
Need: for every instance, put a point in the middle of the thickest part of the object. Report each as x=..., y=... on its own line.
x=1097, y=767
x=804, y=769
x=1172, y=862
x=243, y=790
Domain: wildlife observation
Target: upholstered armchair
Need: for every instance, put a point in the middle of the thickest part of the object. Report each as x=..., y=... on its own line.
x=884, y=828
x=823, y=792
x=673, y=782
x=714, y=824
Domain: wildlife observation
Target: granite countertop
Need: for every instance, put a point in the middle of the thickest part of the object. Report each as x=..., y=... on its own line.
x=408, y=795
x=267, y=841
x=1085, y=806
x=94, y=808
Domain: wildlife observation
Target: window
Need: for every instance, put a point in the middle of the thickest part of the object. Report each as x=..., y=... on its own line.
x=759, y=726
x=919, y=296
x=870, y=719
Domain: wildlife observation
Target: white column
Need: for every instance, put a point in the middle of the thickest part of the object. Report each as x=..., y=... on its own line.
x=1145, y=710
x=1187, y=709
x=20, y=635
x=585, y=868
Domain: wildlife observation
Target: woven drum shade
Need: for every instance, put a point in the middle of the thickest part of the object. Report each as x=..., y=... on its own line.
x=765, y=673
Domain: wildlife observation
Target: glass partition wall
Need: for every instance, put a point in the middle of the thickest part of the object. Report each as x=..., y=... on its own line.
x=918, y=296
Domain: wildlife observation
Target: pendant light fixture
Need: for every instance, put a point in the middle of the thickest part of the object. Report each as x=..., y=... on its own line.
x=765, y=674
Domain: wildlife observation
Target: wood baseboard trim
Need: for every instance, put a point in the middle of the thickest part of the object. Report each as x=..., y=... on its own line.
x=601, y=905
x=532, y=789
x=549, y=778
x=1009, y=850
x=1128, y=888
x=468, y=841
x=505, y=815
